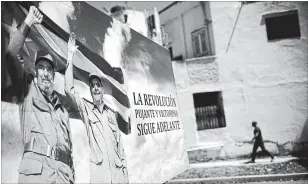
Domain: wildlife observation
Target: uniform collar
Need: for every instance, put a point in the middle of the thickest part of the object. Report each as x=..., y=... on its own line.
x=55, y=102
x=96, y=107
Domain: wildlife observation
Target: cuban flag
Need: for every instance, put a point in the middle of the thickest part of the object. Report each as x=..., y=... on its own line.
x=54, y=37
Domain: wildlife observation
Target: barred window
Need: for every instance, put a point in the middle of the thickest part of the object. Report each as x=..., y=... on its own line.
x=209, y=110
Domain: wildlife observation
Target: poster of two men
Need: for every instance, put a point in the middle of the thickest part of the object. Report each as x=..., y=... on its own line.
x=69, y=73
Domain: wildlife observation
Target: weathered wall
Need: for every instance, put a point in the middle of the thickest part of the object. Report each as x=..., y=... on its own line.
x=186, y=107
x=272, y=77
x=177, y=39
x=202, y=70
x=191, y=24
x=260, y=80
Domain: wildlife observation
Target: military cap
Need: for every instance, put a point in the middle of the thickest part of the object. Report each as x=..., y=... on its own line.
x=98, y=76
x=44, y=55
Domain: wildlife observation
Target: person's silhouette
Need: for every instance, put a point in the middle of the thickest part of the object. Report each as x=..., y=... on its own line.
x=258, y=142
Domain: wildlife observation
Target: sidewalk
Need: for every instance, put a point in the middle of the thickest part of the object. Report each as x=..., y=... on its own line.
x=245, y=179
x=241, y=162
x=237, y=171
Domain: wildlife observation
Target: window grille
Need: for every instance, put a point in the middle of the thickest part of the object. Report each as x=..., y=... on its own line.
x=209, y=110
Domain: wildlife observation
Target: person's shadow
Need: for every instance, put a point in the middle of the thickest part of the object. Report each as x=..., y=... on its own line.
x=301, y=147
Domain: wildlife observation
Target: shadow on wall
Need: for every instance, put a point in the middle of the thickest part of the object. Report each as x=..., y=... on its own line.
x=300, y=148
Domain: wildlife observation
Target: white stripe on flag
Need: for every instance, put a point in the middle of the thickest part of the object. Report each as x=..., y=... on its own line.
x=50, y=42
x=118, y=107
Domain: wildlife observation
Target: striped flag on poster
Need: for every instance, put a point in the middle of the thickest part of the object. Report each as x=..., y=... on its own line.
x=53, y=38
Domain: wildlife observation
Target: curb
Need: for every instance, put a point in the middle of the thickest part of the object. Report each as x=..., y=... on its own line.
x=240, y=163
x=251, y=178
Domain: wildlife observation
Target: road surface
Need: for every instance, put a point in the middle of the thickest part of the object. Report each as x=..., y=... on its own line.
x=280, y=182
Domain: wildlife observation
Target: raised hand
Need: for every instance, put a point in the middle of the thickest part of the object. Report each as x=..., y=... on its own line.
x=34, y=16
x=71, y=47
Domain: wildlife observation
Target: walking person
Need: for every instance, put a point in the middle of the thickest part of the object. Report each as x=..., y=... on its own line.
x=108, y=162
x=45, y=128
x=258, y=142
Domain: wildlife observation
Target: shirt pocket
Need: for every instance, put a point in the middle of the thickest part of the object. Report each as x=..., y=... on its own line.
x=30, y=167
x=38, y=130
x=38, y=136
x=112, y=123
x=93, y=118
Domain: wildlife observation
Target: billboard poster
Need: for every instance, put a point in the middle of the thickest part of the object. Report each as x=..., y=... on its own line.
x=85, y=99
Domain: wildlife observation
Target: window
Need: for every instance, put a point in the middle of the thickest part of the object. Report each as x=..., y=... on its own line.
x=199, y=41
x=178, y=58
x=170, y=51
x=209, y=110
x=151, y=22
x=283, y=25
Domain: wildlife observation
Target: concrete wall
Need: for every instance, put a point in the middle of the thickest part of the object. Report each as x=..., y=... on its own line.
x=187, y=112
x=260, y=80
x=192, y=24
x=176, y=38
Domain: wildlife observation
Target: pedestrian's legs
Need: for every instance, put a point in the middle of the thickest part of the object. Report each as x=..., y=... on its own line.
x=265, y=150
x=254, y=151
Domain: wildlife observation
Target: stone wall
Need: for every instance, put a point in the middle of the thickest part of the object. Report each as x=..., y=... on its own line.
x=202, y=70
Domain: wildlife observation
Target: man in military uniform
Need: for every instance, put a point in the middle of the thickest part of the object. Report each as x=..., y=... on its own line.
x=108, y=162
x=44, y=121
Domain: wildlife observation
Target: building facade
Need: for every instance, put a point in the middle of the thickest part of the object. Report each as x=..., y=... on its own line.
x=237, y=62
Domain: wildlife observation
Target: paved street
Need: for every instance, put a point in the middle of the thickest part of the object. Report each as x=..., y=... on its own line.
x=260, y=161
x=284, y=169
x=276, y=182
x=281, y=182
